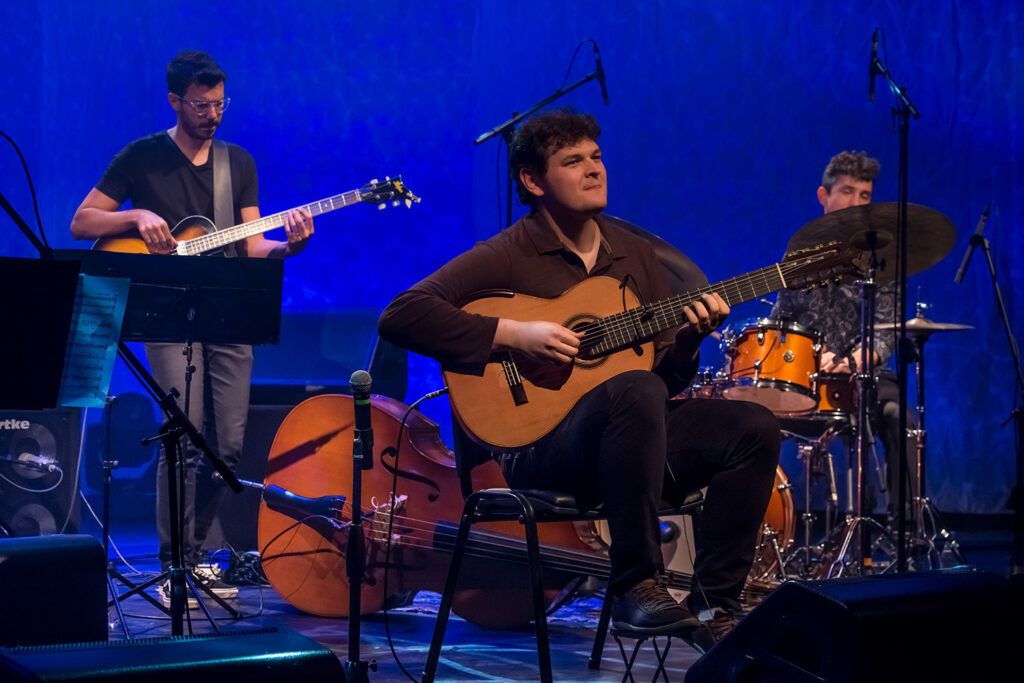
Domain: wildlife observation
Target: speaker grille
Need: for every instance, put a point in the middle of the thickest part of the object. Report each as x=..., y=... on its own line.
x=39, y=471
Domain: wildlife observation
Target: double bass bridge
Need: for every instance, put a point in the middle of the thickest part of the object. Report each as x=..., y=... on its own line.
x=381, y=515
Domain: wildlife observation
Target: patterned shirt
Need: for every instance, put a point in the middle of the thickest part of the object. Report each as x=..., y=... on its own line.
x=834, y=311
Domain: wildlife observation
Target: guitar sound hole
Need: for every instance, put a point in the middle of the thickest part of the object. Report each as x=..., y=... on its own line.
x=583, y=323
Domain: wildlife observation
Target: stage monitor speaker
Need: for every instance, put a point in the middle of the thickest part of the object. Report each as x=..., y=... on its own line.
x=53, y=589
x=258, y=656
x=39, y=471
x=945, y=625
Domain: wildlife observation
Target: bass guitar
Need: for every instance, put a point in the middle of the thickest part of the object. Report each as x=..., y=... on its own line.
x=512, y=400
x=198, y=235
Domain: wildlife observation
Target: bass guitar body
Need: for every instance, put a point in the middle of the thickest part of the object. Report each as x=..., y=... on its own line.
x=130, y=242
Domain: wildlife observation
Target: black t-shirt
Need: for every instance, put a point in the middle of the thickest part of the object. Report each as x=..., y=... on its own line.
x=153, y=174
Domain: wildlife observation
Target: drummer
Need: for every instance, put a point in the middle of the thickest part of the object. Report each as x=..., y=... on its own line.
x=834, y=311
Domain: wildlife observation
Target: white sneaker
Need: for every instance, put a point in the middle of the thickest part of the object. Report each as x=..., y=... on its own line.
x=209, y=575
x=164, y=591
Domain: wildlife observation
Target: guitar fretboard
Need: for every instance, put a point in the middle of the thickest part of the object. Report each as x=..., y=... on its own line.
x=220, y=238
x=642, y=323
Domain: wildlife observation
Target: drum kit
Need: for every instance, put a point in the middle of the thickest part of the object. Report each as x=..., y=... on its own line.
x=777, y=363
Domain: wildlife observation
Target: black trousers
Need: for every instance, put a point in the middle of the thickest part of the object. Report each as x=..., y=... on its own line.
x=625, y=445
x=218, y=407
x=887, y=424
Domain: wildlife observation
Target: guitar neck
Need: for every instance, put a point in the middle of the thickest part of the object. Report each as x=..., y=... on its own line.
x=220, y=238
x=642, y=323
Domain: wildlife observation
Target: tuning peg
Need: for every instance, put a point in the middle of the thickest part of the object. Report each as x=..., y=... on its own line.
x=382, y=206
x=374, y=181
x=408, y=203
x=394, y=202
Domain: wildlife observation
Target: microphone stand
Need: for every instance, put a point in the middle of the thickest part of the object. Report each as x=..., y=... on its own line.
x=1017, y=493
x=903, y=110
x=45, y=252
x=507, y=130
x=176, y=425
x=356, y=670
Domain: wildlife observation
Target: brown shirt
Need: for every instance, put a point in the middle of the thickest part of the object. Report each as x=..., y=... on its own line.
x=526, y=258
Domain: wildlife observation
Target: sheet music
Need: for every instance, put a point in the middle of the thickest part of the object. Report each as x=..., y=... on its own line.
x=92, y=343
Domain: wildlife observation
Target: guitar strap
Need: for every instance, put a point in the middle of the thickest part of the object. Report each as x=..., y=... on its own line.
x=223, y=201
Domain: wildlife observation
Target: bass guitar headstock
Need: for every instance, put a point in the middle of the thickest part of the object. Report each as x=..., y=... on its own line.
x=389, y=191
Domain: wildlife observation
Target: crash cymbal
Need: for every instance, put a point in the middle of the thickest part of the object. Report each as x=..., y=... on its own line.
x=930, y=235
x=923, y=326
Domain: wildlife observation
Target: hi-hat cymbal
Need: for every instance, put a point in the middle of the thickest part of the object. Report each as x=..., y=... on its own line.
x=930, y=235
x=924, y=326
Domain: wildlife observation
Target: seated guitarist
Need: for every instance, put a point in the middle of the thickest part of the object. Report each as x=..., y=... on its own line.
x=168, y=176
x=623, y=443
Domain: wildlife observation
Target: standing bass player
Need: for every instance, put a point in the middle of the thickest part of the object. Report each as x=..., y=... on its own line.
x=169, y=176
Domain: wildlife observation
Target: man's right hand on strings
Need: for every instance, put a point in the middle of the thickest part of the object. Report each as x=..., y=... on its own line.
x=541, y=340
x=154, y=232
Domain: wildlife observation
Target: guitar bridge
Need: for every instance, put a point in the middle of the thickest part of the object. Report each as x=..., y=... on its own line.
x=515, y=381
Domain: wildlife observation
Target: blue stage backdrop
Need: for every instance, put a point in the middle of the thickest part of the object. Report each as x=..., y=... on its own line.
x=722, y=117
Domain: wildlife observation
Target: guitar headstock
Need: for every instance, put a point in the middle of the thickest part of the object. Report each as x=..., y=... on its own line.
x=390, y=190
x=821, y=265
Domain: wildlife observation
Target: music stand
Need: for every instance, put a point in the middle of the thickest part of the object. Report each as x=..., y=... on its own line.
x=229, y=301
x=41, y=299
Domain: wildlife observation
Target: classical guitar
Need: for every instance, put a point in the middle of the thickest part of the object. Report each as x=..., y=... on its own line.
x=512, y=400
x=198, y=235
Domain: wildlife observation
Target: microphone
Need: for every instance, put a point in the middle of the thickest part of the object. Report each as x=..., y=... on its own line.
x=600, y=74
x=360, y=381
x=32, y=462
x=975, y=241
x=871, y=66
x=295, y=506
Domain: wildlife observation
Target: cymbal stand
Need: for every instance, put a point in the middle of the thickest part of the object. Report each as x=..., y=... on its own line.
x=927, y=533
x=857, y=527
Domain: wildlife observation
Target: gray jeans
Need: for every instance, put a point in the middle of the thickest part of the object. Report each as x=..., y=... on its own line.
x=218, y=406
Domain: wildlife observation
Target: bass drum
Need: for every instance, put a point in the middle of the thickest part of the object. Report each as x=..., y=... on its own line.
x=777, y=532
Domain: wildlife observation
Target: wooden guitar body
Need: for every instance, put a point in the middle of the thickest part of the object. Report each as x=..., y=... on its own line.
x=486, y=403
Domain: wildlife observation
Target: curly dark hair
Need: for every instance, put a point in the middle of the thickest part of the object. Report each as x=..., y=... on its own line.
x=542, y=136
x=191, y=67
x=857, y=165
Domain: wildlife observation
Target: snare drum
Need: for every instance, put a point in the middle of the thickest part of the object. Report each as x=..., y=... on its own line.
x=777, y=530
x=774, y=363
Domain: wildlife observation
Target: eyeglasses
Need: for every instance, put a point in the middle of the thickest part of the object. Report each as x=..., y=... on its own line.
x=204, y=107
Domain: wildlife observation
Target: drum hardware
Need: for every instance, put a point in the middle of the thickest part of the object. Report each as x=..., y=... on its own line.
x=929, y=236
x=858, y=526
x=776, y=535
x=817, y=459
x=928, y=536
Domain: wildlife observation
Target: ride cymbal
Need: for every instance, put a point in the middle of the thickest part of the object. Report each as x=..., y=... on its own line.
x=930, y=235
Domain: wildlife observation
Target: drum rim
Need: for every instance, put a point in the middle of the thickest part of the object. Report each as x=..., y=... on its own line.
x=779, y=324
x=777, y=384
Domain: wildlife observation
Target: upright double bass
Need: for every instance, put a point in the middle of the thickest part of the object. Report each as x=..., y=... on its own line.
x=304, y=557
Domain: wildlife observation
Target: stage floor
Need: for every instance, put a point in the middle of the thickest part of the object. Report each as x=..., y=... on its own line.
x=471, y=653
